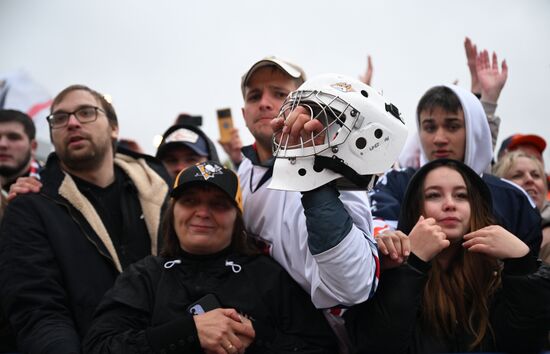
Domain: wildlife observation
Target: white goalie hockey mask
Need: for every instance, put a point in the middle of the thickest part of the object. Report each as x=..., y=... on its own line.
x=362, y=136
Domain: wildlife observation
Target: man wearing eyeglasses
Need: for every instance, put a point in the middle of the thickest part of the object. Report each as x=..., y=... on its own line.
x=97, y=212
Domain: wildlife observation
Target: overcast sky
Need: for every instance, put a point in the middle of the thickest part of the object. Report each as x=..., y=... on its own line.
x=160, y=58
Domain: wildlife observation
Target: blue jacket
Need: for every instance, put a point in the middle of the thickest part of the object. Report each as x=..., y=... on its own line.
x=512, y=208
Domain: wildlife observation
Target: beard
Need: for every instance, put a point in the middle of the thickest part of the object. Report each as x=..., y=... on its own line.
x=88, y=159
x=17, y=170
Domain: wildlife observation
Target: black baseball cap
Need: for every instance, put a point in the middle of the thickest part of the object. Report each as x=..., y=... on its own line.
x=210, y=172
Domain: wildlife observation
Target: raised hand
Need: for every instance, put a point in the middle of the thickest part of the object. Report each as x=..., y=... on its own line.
x=233, y=147
x=393, y=247
x=367, y=76
x=471, y=57
x=427, y=239
x=496, y=242
x=491, y=79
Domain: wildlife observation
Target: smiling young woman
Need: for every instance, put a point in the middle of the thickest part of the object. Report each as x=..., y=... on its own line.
x=467, y=284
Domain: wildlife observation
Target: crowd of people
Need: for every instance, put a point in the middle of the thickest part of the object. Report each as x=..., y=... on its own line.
x=329, y=234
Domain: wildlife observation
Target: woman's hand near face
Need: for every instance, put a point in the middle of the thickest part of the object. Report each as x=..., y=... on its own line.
x=393, y=247
x=427, y=239
x=223, y=331
x=496, y=242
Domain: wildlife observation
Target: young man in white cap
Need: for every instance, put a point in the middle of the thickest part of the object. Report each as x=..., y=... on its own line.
x=320, y=264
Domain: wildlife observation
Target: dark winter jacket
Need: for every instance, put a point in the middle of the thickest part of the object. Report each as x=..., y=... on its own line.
x=519, y=311
x=512, y=208
x=57, y=258
x=390, y=323
x=148, y=309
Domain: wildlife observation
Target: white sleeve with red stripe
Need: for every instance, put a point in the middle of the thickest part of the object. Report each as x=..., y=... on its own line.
x=348, y=273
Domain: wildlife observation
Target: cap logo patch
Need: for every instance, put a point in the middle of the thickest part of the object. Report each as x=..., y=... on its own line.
x=343, y=86
x=182, y=135
x=208, y=170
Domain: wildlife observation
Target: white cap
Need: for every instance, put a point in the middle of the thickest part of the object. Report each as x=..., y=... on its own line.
x=287, y=67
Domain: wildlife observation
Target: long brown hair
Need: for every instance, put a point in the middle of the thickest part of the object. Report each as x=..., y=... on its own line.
x=459, y=296
x=171, y=248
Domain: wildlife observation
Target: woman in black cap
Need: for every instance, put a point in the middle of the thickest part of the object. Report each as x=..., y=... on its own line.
x=210, y=291
x=466, y=285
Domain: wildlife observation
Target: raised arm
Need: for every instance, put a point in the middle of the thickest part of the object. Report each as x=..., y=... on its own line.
x=233, y=148
x=491, y=78
x=491, y=81
x=341, y=256
x=471, y=58
x=366, y=78
x=340, y=240
x=487, y=82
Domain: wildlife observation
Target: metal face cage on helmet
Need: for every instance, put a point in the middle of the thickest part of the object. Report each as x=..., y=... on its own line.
x=362, y=136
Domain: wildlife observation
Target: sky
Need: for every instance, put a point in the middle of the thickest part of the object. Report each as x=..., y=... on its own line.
x=157, y=59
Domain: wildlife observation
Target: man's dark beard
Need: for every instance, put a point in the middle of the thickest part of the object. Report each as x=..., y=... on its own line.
x=10, y=172
x=89, y=162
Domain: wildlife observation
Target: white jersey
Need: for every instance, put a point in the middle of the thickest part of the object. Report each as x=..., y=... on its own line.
x=345, y=274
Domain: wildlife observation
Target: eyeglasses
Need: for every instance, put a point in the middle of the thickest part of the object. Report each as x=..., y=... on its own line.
x=84, y=115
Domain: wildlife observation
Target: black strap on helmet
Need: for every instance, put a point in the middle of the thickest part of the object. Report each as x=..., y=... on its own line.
x=337, y=165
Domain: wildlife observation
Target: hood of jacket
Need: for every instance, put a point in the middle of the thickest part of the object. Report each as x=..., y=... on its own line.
x=478, y=148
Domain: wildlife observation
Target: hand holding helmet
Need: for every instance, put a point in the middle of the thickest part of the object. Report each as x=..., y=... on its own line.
x=299, y=128
x=335, y=128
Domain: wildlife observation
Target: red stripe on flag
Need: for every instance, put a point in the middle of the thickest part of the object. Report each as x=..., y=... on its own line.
x=38, y=107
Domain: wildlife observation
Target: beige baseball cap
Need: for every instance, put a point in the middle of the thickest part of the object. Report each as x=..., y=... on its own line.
x=287, y=67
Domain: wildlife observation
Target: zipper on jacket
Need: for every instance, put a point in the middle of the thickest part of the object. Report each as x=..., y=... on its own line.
x=68, y=207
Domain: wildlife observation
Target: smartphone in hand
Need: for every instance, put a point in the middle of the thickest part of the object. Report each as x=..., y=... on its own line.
x=225, y=124
x=204, y=304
